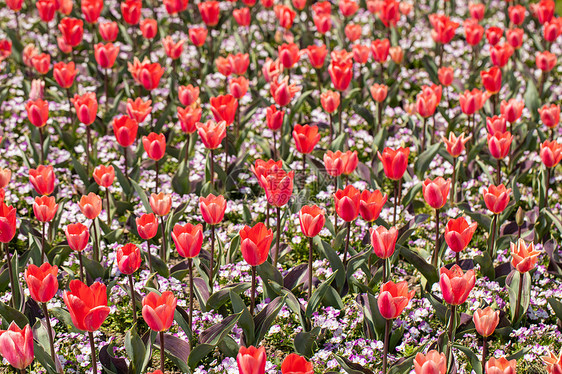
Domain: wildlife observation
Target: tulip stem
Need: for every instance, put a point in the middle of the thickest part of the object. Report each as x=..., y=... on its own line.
x=278, y=238
x=335, y=209
x=484, y=353
x=49, y=331
x=88, y=146
x=310, y=255
x=346, y=243
x=96, y=254
x=304, y=164
x=267, y=215
x=106, y=84
x=108, y=209
x=132, y=286
x=70, y=119
x=81, y=266
x=253, y=292
x=41, y=140
x=499, y=172
x=43, y=254
x=149, y=256
x=225, y=152
x=212, y=168
x=384, y=270
x=452, y=322
x=519, y=295
x=493, y=236
x=435, y=258
x=126, y=163
x=387, y=327
x=10, y=271
x=331, y=126
x=453, y=197
x=162, y=356
x=163, y=248
x=93, y=349
x=190, y=268
x=395, y=202
x=547, y=186
x=458, y=258
x=275, y=156
x=212, y=263
x=157, y=172
x=423, y=134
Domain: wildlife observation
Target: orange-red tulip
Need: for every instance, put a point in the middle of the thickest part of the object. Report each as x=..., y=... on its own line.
x=523, y=257
x=90, y=205
x=393, y=298
x=458, y=233
x=87, y=305
x=45, y=208
x=160, y=203
x=456, y=285
x=42, y=179
x=158, y=310
x=255, y=243
x=128, y=258
x=188, y=239
x=383, y=241
x=104, y=175
x=486, y=320
x=42, y=281
x=154, y=145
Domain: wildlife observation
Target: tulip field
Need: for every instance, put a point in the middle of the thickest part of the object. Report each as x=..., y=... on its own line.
x=280, y=187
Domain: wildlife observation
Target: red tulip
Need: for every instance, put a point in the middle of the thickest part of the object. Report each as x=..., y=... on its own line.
x=393, y=298
x=427, y=101
x=316, y=55
x=379, y=92
x=14, y=5
x=502, y=366
x=500, y=54
x=212, y=133
x=432, y=363
x=128, y=258
x=86, y=107
x=371, y=204
x=496, y=198
x=87, y=305
x=274, y=118
x=435, y=192
x=515, y=37
x=46, y=9
x=188, y=239
x=384, y=241
x=494, y=34
x=443, y=28
x=64, y=74
x=486, y=320
x=90, y=205
x=7, y=222
x=551, y=153
x=160, y=203
x=175, y=6
x=283, y=92
x=312, y=220
x=361, y=53
x=131, y=10
x=173, y=49
x=210, y=12
x=499, y=144
x=212, y=208
x=77, y=236
x=224, y=108
x=512, y=109
x=545, y=60
x=323, y=23
x=239, y=86
x=544, y=11
x=553, y=363
x=5, y=49
x=334, y=163
x=197, y=35
x=42, y=179
x=550, y=115
x=255, y=243
x=45, y=208
x=188, y=95
x=456, y=285
x=42, y=281
x=396, y=54
x=42, y=63
x=5, y=176
x=552, y=30
x=380, y=49
x=353, y=32
x=154, y=145
x=72, y=30
x=138, y=109
x=523, y=257
x=285, y=15
x=473, y=32
x=30, y=51
x=347, y=203
x=330, y=101
x=251, y=360
x=348, y=7
x=295, y=364
x=458, y=233
x=445, y=75
x=37, y=112
x=239, y=63
x=278, y=187
x=306, y=137
x=263, y=168
x=158, y=311
x=189, y=117
x=16, y=346
x=91, y=10
x=104, y=175
x=147, y=74
x=224, y=66
x=242, y=16
x=516, y=14
x=492, y=79
x=496, y=124
x=341, y=72
x=477, y=10
x=149, y=28
x=289, y=54
x=108, y=31
x=455, y=146
x=147, y=226
x=125, y=130
x=394, y=162
x=106, y=54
